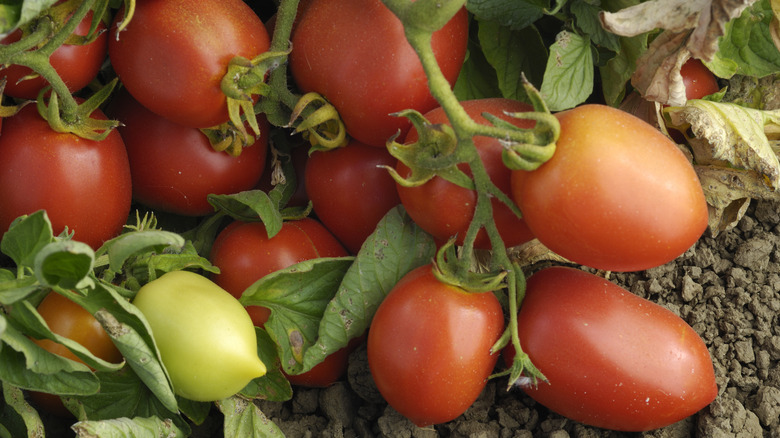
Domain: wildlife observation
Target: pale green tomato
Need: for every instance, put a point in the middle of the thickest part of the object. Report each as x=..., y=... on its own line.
x=206, y=338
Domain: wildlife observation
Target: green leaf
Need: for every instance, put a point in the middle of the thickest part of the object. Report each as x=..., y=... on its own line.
x=64, y=263
x=568, y=77
x=14, y=399
x=500, y=45
x=248, y=206
x=586, y=16
x=121, y=248
x=26, y=236
x=273, y=386
x=17, y=13
x=297, y=297
x=515, y=14
x=14, y=290
x=618, y=70
x=243, y=418
x=396, y=247
x=748, y=42
x=477, y=79
x=128, y=428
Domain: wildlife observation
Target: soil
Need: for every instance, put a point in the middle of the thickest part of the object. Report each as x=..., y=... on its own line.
x=726, y=287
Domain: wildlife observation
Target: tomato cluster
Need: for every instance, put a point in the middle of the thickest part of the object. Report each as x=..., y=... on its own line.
x=616, y=195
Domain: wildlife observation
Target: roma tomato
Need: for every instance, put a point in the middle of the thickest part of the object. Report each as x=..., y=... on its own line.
x=83, y=185
x=613, y=360
x=206, y=339
x=349, y=192
x=355, y=54
x=617, y=194
x=173, y=55
x=68, y=319
x=429, y=347
x=244, y=254
x=698, y=79
x=444, y=209
x=77, y=65
x=174, y=168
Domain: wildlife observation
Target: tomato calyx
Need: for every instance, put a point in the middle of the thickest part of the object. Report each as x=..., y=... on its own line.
x=77, y=120
x=320, y=122
x=448, y=269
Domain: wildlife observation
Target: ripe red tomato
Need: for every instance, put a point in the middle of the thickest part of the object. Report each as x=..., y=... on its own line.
x=429, y=347
x=83, y=185
x=349, y=192
x=617, y=195
x=173, y=55
x=355, y=54
x=244, y=254
x=68, y=319
x=174, y=168
x=77, y=65
x=613, y=360
x=698, y=79
x=444, y=209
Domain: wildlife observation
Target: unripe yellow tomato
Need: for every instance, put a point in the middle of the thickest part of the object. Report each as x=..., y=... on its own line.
x=206, y=339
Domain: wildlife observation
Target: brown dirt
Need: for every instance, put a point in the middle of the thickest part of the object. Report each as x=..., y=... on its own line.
x=727, y=288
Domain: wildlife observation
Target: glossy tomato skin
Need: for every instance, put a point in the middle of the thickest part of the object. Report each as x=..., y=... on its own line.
x=77, y=65
x=613, y=360
x=68, y=319
x=698, y=79
x=174, y=167
x=244, y=253
x=354, y=53
x=617, y=195
x=444, y=209
x=429, y=347
x=83, y=185
x=173, y=55
x=350, y=193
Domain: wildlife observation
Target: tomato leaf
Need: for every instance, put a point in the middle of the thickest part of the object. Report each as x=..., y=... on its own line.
x=249, y=206
x=747, y=41
x=121, y=248
x=14, y=399
x=64, y=263
x=568, y=77
x=616, y=73
x=128, y=427
x=477, y=78
x=15, y=14
x=243, y=418
x=516, y=14
x=586, y=15
x=26, y=236
x=500, y=47
x=396, y=247
x=273, y=386
x=14, y=290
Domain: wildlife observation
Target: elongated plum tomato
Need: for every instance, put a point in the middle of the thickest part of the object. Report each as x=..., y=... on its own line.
x=617, y=195
x=82, y=184
x=444, y=209
x=173, y=54
x=76, y=64
x=174, y=167
x=429, y=347
x=355, y=54
x=68, y=319
x=206, y=339
x=613, y=360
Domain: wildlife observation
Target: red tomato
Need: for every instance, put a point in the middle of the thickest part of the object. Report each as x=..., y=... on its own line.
x=444, y=209
x=173, y=55
x=613, y=360
x=244, y=253
x=429, y=347
x=83, y=185
x=175, y=168
x=698, y=79
x=68, y=319
x=77, y=65
x=617, y=195
x=355, y=54
x=349, y=192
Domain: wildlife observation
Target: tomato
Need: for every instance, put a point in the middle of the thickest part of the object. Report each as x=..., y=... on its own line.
x=206, y=339
x=77, y=65
x=174, y=167
x=698, y=79
x=444, y=209
x=244, y=253
x=355, y=54
x=173, y=55
x=617, y=194
x=83, y=185
x=613, y=360
x=68, y=319
x=349, y=192
x=429, y=347
x=329, y=371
